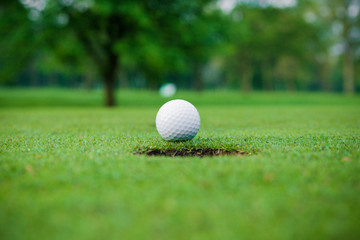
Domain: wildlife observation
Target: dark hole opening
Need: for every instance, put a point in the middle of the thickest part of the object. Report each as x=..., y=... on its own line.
x=199, y=152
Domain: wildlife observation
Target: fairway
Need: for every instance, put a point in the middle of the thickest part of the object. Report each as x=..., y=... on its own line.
x=69, y=168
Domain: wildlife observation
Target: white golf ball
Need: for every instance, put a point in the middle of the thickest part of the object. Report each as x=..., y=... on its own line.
x=167, y=90
x=177, y=120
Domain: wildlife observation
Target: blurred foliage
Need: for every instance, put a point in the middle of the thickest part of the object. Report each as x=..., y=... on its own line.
x=313, y=45
x=276, y=42
x=18, y=41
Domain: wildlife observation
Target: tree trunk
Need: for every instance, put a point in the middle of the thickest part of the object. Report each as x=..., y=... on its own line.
x=246, y=80
x=34, y=78
x=348, y=72
x=198, y=84
x=54, y=79
x=110, y=93
x=246, y=74
x=109, y=76
x=267, y=75
x=291, y=84
x=324, y=76
x=348, y=57
x=88, y=80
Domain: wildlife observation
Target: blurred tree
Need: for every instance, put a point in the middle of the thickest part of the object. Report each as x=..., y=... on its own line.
x=347, y=13
x=341, y=19
x=205, y=37
x=320, y=60
x=66, y=57
x=193, y=31
x=270, y=38
x=99, y=26
x=18, y=47
x=154, y=36
x=269, y=48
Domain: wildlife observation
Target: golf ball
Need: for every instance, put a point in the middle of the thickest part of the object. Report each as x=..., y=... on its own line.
x=167, y=90
x=177, y=120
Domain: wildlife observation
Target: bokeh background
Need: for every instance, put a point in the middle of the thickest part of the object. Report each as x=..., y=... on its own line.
x=258, y=45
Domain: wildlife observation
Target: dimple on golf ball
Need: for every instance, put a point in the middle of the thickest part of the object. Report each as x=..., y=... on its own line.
x=178, y=120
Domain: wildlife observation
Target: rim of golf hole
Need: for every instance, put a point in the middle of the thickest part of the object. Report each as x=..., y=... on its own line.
x=190, y=152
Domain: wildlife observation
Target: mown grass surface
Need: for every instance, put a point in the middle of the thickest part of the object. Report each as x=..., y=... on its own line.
x=47, y=97
x=72, y=172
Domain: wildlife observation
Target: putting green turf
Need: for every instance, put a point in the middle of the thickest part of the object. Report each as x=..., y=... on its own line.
x=68, y=168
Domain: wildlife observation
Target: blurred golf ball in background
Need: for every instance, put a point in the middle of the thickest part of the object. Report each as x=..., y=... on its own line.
x=178, y=120
x=167, y=90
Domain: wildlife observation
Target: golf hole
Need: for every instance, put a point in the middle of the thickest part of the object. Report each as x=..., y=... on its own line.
x=198, y=152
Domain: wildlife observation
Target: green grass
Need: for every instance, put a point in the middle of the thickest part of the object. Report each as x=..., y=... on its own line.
x=22, y=98
x=68, y=168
